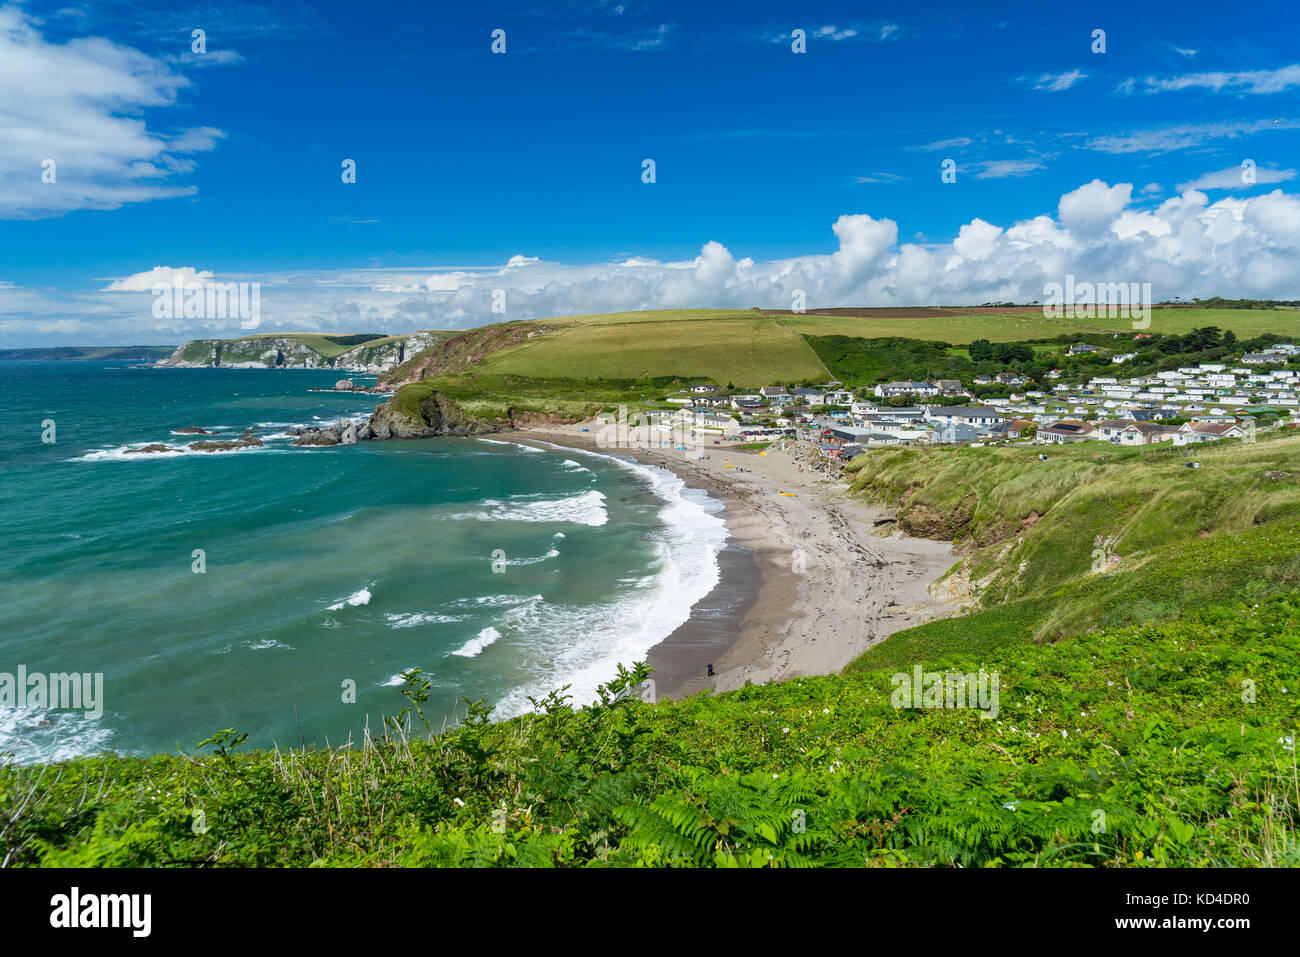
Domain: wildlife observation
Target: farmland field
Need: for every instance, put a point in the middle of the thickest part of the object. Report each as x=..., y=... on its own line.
x=962, y=326
x=745, y=350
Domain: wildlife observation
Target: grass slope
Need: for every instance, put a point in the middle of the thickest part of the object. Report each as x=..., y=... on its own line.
x=1149, y=746
x=741, y=349
x=1076, y=543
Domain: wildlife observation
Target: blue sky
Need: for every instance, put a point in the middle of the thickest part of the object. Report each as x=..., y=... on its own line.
x=466, y=158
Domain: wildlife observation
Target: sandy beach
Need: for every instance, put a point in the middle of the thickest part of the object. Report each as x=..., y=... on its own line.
x=811, y=577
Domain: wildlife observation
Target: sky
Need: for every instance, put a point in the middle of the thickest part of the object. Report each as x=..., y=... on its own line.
x=1117, y=142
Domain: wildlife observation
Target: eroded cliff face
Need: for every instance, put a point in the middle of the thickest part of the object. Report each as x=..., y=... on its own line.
x=286, y=352
x=435, y=414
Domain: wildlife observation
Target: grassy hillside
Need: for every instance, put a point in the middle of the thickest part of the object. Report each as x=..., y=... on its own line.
x=741, y=349
x=1169, y=746
x=961, y=326
x=1094, y=536
x=494, y=397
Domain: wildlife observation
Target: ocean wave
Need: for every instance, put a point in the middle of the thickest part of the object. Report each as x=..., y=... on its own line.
x=37, y=735
x=474, y=647
x=586, y=508
x=361, y=597
x=582, y=645
x=121, y=454
x=411, y=619
x=518, y=445
x=495, y=601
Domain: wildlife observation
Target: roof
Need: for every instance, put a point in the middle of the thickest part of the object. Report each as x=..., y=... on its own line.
x=1068, y=427
x=967, y=410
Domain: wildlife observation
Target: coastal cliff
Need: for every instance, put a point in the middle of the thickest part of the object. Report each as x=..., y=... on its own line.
x=422, y=416
x=358, y=353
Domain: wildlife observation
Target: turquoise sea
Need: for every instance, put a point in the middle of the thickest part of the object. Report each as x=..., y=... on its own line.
x=502, y=569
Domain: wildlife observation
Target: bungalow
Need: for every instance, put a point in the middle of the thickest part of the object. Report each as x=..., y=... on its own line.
x=952, y=432
x=1081, y=348
x=1193, y=432
x=1063, y=432
x=979, y=416
x=704, y=388
x=839, y=397
x=1010, y=378
x=776, y=395
x=1126, y=432
x=810, y=396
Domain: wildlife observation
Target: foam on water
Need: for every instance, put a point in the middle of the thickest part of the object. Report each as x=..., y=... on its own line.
x=585, y=508
x=361, y=597
x=474, y=647
x=587, y=643
x=413, y=618
x=35, y=734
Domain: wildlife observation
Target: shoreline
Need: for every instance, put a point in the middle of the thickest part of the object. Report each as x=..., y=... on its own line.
x=806, y=584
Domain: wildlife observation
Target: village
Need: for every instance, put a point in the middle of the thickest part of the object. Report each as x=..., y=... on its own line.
x=1185, y=406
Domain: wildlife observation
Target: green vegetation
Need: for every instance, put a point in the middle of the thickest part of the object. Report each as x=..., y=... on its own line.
x=1093, y=537
x=331, y=347
x=957, y=325
x=742, y=349
x=489, y=396
x=1163, y=746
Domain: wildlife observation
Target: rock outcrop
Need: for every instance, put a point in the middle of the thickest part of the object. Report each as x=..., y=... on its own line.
x=434, y=414
x=245, y=441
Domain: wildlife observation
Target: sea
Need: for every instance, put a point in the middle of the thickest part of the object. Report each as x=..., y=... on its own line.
x=282, y=591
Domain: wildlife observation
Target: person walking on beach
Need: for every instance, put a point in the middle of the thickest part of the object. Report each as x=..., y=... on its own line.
x=710, y=669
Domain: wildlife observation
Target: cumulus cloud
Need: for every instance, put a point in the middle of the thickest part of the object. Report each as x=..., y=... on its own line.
x=1092, y=207
x=1185, y=245
x=71, y=132
x=161, y=276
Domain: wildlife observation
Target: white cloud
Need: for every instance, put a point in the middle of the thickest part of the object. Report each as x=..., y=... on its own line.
x=1242, y=81
x=1185, y=246
x=1231, y=178
x=1055, y=83
x=1092, y=207
x=1000, y=169
x=1169, y=138
x=160, y=275
x=78, y=105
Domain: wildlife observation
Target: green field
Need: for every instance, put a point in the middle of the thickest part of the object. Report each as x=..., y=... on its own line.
x=747, y=351
x=1009, y=327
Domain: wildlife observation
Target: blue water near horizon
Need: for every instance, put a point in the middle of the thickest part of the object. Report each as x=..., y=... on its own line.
x=324, y=566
